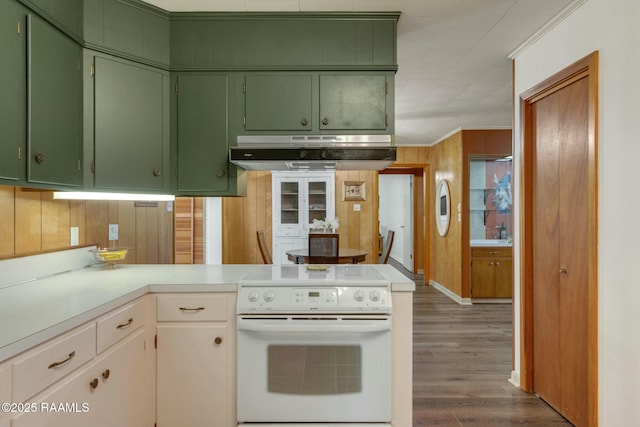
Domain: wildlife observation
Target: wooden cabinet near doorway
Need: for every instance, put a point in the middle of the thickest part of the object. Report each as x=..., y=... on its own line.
x=491, y=272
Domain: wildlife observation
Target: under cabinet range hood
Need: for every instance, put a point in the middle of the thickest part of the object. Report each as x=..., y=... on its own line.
x=313, y=152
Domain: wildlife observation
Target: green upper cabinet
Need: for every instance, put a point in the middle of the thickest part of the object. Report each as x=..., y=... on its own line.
x=278, y=102
x=284, y=41
x=130, y=122
x=13, y=89
x=202, y=147
x=353, y=102
x=54, y=106
x=66, y=15
x=312, y=102
x=127, y=28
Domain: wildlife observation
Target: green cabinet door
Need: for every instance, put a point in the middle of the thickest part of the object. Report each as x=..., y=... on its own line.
x=54, y=106
x=353, y=102
x=131, y=145
x=13, y=90
x=281, y=102
x=202, y=133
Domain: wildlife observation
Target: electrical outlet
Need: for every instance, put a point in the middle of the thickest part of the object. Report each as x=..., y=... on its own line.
x=113, y=231
x=75, y=236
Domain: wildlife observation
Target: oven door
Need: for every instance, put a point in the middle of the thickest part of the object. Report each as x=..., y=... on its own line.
x=314, y=370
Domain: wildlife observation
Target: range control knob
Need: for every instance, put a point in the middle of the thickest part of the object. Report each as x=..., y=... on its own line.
x=253, y=296
x=374, y=296
x=359, y=295
x=269, y=296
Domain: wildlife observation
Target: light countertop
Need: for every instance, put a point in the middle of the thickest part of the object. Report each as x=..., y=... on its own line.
x=34, y=311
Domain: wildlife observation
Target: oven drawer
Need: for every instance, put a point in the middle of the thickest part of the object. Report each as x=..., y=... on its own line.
x=192, y=308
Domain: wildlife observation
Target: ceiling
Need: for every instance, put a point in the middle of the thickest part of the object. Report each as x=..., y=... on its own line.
x=453, y=69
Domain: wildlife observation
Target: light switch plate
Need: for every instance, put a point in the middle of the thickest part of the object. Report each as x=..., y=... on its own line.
x=75, y=236
x=113, y=231
x=356, y=207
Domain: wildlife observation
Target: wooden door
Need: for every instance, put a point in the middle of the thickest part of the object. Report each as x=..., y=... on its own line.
x=559, y=251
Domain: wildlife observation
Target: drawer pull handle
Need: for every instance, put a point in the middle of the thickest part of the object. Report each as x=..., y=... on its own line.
x=493, y=252
x=191, y=309
x=125, y=324
x=94, y=383
x=106, y=374
x=62, y=362
x=218, y=340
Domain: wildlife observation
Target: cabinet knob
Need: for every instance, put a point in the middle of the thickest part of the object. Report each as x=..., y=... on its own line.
x=220, y=173
x=39, y=158
x=94, y=383
x=497, y=263
x=563, y=270
x=106, y=373
x=218, y=340
x=304, y=122
x=325, y=121
x=156, y=172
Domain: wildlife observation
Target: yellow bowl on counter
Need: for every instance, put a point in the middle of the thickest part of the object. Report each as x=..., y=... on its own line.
x=109, y=254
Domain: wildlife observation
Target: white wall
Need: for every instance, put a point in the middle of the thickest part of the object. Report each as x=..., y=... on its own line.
x=213, y=230
x=613, y=28
x=392, y=190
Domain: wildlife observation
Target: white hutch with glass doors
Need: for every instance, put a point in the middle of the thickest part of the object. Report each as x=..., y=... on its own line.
x=297, y=199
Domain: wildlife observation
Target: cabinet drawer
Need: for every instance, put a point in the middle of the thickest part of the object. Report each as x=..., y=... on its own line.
x=491, y=252
x=115, y=326
x=288, y=232
x=190, y=308
x=48, y=363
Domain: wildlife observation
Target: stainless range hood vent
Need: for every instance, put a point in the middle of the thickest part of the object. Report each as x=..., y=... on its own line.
x=313, y=152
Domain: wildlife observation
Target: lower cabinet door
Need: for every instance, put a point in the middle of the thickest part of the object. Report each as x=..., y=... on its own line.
x=482, y=278
x=108, y=392
x=192, y=366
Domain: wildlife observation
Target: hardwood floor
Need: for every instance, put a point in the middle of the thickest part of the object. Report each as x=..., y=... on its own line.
x=461, y=366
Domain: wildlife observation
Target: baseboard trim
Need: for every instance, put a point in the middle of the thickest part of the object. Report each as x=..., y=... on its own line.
x=515, y=379
x=447, y=292
x=491, y=301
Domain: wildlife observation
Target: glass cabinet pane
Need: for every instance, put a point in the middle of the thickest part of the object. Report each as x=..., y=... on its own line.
x=317, y=200
x=289, y=198
x=490, y=198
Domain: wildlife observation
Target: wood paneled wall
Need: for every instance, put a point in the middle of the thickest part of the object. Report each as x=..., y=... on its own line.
x=243, y=216
x=189, y=230
x=31, y=222
x=446, y=252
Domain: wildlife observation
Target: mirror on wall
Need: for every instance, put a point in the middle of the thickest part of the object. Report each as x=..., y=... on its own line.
x=443, y=207
x=490, y=198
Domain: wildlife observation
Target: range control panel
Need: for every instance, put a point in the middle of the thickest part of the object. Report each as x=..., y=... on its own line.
x=347, y=299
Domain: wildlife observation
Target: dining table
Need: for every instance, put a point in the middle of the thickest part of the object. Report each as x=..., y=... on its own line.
x=345, y=255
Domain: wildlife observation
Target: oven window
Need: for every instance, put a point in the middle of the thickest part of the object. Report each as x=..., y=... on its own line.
x=314, y=369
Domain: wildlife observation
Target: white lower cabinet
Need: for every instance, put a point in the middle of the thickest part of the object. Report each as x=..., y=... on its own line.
x=195, y=360
x=109, y=392
x=65, y=383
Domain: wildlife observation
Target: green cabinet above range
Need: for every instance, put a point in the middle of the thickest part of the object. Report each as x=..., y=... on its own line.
x=317, y=102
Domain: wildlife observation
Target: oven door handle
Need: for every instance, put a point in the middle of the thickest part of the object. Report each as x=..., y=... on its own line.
x=359, y=326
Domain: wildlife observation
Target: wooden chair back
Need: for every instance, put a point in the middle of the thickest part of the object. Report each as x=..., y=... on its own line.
x=387, y=248
x=323, y=248
x=264, y=249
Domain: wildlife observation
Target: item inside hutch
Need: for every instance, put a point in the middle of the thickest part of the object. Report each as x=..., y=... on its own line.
x=490, y=199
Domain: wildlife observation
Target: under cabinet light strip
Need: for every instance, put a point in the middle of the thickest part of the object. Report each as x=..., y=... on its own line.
x=85, y=195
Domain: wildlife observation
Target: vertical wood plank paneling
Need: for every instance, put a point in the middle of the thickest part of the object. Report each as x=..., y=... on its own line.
x=77, y=217
x=152, y=235
x=97, y=222
x=31, y=221
x=250, y=208
x=55, y=222
x=198, y=230
x=28, y=221
x=233, y=229
x=267, y=210
x=183, y=230
x=7, y=218
x=127, y=229
x=260, y=221
x=140, y=235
